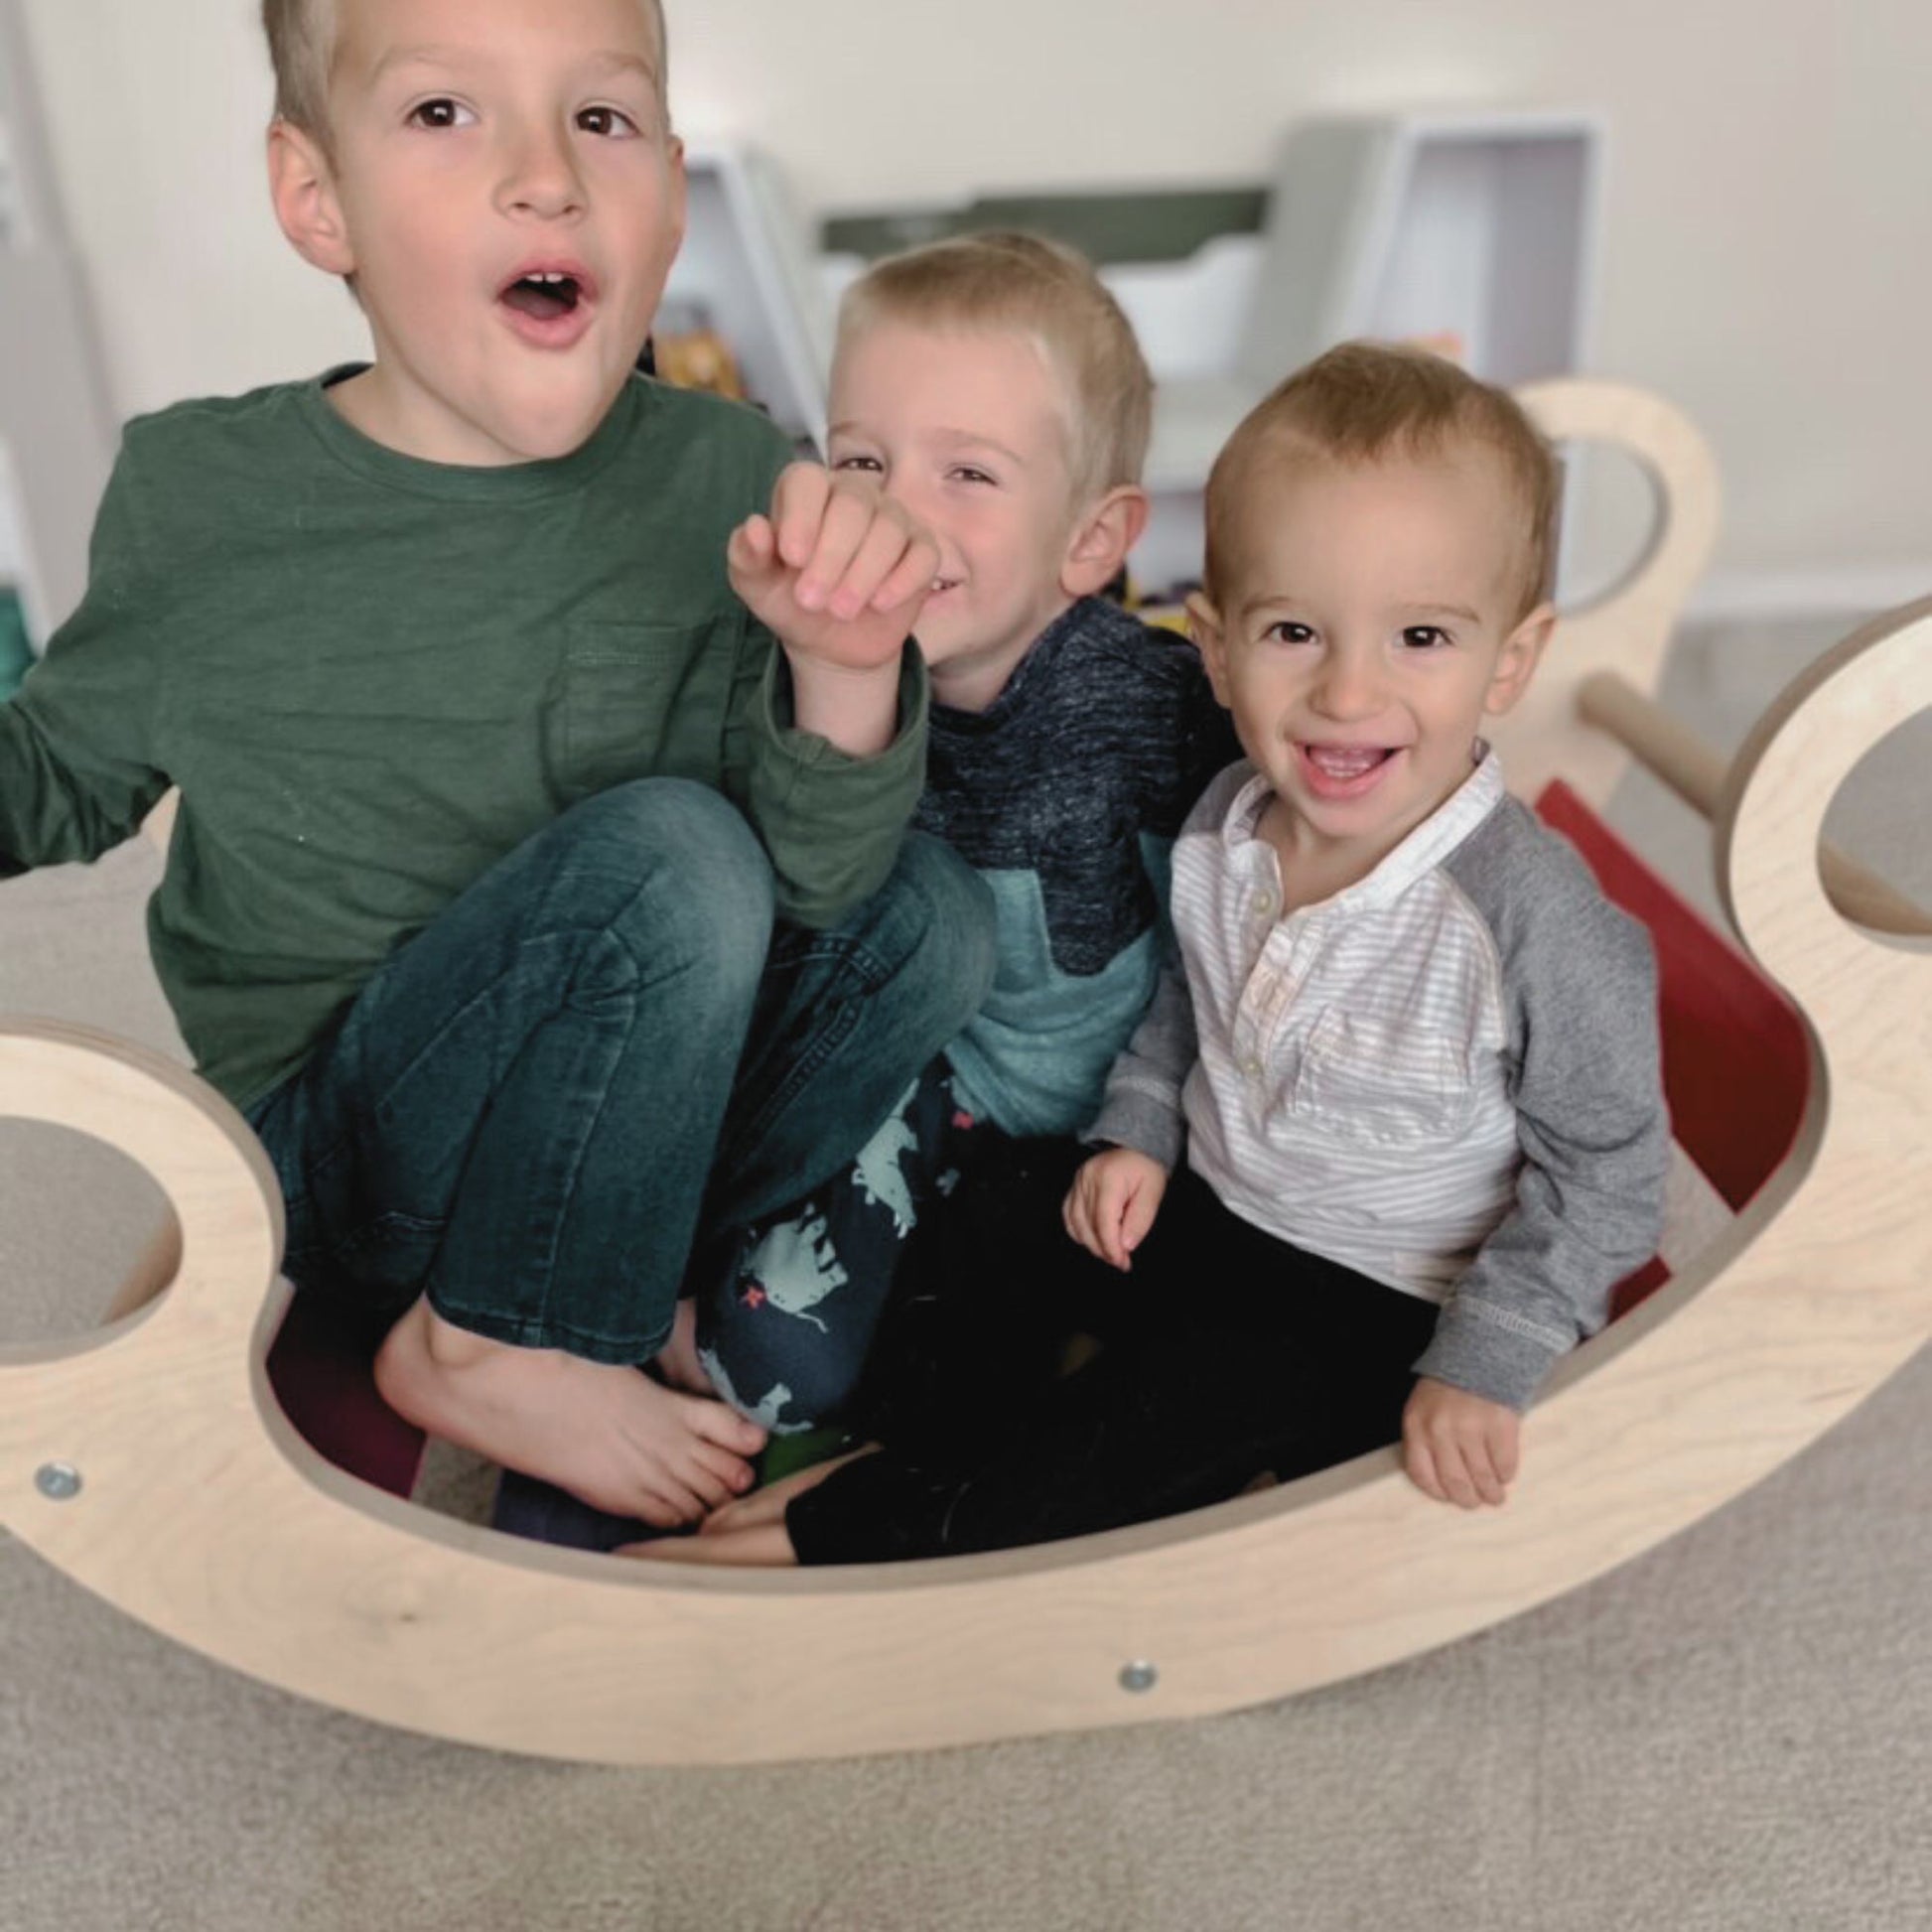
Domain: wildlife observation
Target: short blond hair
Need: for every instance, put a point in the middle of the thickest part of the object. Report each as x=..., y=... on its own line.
x=302, y=51
x=1364, y=401
x=1025, y=282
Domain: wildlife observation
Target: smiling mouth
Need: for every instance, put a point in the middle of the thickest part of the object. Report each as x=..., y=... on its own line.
x=1344, y=763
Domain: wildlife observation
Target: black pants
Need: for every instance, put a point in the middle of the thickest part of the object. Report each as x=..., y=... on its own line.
x=1223, y=1353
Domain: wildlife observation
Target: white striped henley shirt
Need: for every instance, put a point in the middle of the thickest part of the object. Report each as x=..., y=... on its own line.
x=1445, y=1077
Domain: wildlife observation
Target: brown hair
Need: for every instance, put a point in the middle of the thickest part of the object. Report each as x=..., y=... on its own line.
x=1021, y=281
x=1362, y=401
x=302, y=51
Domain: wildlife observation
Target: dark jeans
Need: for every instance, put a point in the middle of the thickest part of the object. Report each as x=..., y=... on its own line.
x=604, y=1052
x=1225, y=1353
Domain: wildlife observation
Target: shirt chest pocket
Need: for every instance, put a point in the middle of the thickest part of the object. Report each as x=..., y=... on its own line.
x=1384, y=1083
x=641, y=701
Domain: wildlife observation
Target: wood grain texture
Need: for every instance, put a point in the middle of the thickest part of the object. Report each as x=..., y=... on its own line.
x=1628, y=629
x=204, y=1515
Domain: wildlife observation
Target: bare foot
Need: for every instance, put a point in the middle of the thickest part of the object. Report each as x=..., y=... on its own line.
x=765, y=1546
x=763, y=1508
x=677, y=1360
x=609, y=1435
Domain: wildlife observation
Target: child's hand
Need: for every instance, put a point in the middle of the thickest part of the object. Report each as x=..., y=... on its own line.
x=1458, y=1448
x=1112, y=1203
x=838, y=571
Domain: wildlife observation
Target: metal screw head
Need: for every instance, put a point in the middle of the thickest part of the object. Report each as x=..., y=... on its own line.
x=58, y=1482
x=1139, y=1676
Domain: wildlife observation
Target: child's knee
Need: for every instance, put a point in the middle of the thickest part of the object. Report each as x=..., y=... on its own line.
x=682, y=824
x=704, y=898
x=955, y=952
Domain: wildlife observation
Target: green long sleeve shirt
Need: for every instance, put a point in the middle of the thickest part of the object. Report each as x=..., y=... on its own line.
x=371, y=677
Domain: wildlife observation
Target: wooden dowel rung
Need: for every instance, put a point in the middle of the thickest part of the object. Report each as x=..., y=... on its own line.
x=1668, y=750
x=1697, y=774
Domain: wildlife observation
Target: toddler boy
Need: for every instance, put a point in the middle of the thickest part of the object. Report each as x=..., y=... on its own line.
x=1413, y=1063
x=537, y=911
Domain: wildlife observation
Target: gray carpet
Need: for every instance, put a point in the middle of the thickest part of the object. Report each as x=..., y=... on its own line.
x=1734, y=1731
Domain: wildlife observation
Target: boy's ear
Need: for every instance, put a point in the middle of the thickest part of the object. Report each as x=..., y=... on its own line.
x=1204, y=628
x=1516, y=665
x=303, y=189
x=1101, y=540
x=679, y=166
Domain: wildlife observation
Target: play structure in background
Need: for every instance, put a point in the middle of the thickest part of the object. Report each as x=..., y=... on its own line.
x=1474, y=233
x=214, y=1459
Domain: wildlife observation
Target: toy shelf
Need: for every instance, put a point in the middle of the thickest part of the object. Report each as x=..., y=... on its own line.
x=747, y=271
x=1474, y=232
x=1477, y=231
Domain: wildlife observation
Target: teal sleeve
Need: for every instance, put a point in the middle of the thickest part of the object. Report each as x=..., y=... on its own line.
x=78, y=767
x=830, y=822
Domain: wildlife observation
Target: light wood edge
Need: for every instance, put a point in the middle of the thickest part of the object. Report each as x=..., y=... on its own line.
x=1627, y=630
x=1780, y=787
x=212, y=1524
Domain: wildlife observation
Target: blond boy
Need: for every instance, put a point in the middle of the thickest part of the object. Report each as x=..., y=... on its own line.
x=1413, y=1063
x=993, y=388
x=507, y=832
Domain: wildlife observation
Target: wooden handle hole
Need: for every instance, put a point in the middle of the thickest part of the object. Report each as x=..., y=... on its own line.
x=98, y=1242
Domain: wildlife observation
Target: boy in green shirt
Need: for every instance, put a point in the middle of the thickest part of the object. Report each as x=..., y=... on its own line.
x=541, y=915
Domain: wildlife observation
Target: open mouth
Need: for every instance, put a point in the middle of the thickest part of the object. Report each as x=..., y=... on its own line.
x=545, y=295
x=1346, y=770
x=1346, y=761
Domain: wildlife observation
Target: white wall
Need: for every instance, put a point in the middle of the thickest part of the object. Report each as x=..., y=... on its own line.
x=1765, y=262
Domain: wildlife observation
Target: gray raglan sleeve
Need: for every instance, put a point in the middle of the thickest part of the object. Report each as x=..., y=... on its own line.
x=1580, y=985
x=1142, y=1105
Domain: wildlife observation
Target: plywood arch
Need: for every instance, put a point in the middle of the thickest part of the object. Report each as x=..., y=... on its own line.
x=200, y=1512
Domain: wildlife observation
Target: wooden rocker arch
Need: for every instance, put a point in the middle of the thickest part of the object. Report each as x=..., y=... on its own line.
x=151, y=1462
